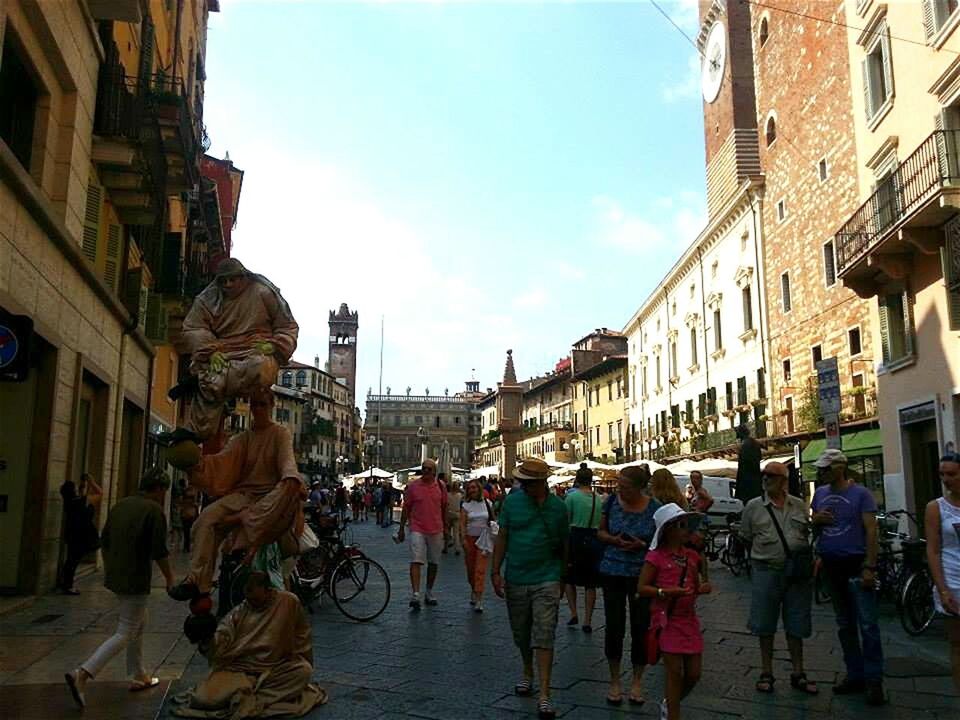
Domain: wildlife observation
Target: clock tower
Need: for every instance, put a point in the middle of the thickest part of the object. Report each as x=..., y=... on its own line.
x=729, y=99
x=343, y=346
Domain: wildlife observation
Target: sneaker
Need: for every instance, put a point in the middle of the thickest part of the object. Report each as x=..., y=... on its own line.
x=849, y=686
x=875, y=693
x=664, y=715
x=430, y=600
x=415, y=602
x=184, y=591
x=478, y=608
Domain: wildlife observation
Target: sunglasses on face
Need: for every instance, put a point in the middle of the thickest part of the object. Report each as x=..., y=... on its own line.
x=775, y=476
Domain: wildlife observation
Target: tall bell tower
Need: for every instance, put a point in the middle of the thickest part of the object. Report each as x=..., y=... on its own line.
x=343, y=346
x=729, y=99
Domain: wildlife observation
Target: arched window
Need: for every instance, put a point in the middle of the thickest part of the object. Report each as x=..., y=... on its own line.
x=301, y=378
x=764, y=33
x=771, y=130
x=287, y=380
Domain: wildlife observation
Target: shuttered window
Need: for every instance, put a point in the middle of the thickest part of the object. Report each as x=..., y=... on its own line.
x=896, y=327
x=112, y=262
x=829, y=264
x=877, y=71
x=785, y=298
x=936, y=13
x=91, y=222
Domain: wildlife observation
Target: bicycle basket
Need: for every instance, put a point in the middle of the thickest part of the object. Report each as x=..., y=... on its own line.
x=914, y=553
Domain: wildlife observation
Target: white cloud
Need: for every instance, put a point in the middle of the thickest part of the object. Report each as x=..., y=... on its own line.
x=686, y=86
x=669, y=224
x=535, y=297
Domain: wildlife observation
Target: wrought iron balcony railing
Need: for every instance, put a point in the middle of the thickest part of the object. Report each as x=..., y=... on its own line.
x=932, y=166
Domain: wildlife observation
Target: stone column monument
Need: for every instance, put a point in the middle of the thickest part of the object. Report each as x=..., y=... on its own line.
x=509, y=405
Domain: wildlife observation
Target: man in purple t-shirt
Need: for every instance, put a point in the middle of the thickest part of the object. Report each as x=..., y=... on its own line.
x=425, y=506
x=845, y=516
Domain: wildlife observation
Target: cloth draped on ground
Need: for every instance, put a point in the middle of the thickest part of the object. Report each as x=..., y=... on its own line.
x=261, y=664
x=247, y=474
x=233, y=326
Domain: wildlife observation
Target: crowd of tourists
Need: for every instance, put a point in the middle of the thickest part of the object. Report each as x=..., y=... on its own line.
x=641, y=547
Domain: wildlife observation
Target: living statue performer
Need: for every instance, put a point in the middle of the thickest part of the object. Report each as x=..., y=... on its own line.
x=261, y=497
x=239, y=331
x=261, y=660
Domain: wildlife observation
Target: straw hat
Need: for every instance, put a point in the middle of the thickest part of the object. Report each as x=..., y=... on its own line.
x=532, y=469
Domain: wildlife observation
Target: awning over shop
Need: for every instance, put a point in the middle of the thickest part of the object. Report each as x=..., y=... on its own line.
x=855, y=444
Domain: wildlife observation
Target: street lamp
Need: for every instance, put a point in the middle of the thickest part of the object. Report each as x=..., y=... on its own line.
x=340, y=461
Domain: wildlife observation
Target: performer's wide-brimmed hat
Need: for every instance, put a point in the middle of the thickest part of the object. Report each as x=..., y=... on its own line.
x=231, y=267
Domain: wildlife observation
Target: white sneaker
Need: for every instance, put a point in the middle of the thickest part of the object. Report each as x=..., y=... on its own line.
x=478, y=607
x=429, y=599
x=663, y=710
x=415, y=601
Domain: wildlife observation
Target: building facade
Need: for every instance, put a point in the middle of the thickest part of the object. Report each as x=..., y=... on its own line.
x=95, y=150
x=396, y=421
x=900, y=249
x=600, y=393
x=809, y=157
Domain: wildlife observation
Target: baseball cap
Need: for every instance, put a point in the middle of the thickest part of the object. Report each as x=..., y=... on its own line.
x=830, y=456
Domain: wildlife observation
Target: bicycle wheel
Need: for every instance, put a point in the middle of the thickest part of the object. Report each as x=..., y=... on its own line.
x=734, y=555
x=916, y=603
x=360, y=588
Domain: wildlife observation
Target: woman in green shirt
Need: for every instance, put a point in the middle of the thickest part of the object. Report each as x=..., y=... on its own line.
x=584, y=510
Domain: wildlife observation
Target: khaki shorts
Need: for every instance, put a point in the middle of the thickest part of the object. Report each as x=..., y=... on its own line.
x=425, y=548
x=533, y=610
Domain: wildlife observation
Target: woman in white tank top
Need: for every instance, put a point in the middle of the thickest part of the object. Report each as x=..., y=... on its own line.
x=942, y=520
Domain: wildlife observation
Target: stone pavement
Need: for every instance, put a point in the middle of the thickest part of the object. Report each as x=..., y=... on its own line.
x=447, y=662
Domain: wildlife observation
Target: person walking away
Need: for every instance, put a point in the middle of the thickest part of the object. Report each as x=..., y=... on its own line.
x=451, y=530
x=378, y=504
x=748, y=466
x=340, y=500
x=626, y=529
x=664, y=489
x=134, y=537
x=585, y=552
x=425, y=506
x=79, y=527
x=845, y=514
x=533, y=541
x=386, y=504
x=188, y=510
x=367, y=502
x=778, y=528
x=476, y=514
x=671, y=577
x=356, y=502
x=942, y=520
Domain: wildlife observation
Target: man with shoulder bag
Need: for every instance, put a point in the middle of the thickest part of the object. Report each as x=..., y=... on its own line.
x=776, y=525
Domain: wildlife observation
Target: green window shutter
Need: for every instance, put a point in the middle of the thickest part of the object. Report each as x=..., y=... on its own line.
x=908, y=335
x=91, y=222
x=884, y=329
x=156, y=318
x=112, y=263
x=887, y=63
x=951, y=276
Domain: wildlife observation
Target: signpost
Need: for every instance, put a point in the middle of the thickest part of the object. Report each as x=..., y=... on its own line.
x=828, y=380
x=15, y=334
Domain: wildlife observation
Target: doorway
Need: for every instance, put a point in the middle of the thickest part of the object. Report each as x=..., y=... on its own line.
x=26, y=413
x=921, y=461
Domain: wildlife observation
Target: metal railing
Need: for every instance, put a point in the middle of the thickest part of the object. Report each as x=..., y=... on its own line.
x=931, y=166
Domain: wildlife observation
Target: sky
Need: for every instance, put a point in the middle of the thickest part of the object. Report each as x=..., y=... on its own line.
x=482, y=176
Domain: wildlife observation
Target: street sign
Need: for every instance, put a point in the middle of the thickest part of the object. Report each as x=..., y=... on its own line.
x=16, y=332
x=831, y=429
x=828, y=380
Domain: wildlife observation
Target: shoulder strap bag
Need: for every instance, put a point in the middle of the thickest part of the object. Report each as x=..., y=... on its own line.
x=799, y=564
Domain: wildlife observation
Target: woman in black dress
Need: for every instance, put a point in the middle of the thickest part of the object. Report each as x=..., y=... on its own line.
x=79, y=529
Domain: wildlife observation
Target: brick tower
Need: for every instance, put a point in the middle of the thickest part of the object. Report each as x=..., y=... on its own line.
x=343, y=346
x=729, y=99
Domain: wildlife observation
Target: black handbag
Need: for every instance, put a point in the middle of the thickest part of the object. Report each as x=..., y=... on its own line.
x=799, y=564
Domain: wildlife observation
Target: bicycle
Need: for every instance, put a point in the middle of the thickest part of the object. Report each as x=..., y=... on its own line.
x=735, y=554
x=358, y=586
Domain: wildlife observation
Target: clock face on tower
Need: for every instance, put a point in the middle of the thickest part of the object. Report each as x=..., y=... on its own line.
x=714, y=62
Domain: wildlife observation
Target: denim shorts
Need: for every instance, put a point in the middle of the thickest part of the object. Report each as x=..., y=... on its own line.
x=773, y=597
x=533, y=610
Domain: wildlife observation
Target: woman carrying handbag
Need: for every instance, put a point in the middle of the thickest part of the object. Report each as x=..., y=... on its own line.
x=476, y=533
x=584, y=509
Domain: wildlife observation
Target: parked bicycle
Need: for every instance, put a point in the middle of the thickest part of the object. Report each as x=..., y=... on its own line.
x=735, y=554
x=358, y=586
x=911, y=581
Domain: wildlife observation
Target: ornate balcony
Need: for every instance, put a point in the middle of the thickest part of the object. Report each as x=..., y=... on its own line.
x=902, y=216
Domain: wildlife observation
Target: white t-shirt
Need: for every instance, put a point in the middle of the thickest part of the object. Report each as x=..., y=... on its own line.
x=477, y=516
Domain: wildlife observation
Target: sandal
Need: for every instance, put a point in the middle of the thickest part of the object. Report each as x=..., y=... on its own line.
x=545, y=710
x=615, y=699
x=524, y=688
x=636, y=699
x=573, y=622
x=138, y=685
x=799, y=681
x=765, y=683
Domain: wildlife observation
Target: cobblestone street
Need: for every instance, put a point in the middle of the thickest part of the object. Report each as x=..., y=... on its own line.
x=447, y=662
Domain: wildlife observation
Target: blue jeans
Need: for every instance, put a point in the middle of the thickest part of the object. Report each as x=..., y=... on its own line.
x=856, y=613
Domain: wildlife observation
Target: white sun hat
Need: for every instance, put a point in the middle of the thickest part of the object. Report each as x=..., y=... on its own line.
x=664, y=516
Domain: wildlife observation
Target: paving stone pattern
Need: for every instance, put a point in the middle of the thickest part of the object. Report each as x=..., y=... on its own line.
x=447, y=662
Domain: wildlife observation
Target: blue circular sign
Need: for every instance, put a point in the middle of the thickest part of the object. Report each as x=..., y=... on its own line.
x=9, y=345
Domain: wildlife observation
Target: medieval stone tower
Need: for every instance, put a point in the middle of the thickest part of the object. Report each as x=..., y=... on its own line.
x=343, y=346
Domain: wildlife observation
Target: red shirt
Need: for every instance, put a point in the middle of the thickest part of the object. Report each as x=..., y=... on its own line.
x=425, y=504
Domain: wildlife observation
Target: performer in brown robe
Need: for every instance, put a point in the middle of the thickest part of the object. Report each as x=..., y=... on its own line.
x=261, y=659
x=261, y=497
x=239, y=332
